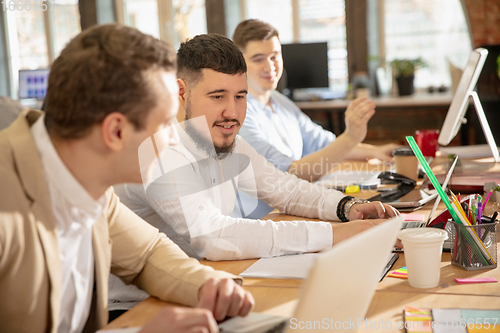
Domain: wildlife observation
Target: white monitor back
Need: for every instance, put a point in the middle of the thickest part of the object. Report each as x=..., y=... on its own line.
x=342, y=282
x=460, y=101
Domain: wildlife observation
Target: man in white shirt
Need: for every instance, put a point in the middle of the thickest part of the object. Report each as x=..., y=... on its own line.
x=192, y=199
x=62, y=228
x=280, y=131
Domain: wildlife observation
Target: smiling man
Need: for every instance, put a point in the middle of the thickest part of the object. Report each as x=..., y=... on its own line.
x=192, y=201
x=280, y=131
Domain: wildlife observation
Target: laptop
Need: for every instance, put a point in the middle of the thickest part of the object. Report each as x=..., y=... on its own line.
x=338, y=289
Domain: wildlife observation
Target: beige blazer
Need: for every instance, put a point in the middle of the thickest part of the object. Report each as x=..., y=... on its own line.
x=30, y=272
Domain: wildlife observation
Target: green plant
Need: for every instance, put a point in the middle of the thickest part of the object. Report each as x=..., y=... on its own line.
x=407, y=67
x=497, y=188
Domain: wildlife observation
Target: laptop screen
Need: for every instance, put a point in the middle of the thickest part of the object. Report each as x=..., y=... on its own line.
x=33, y=83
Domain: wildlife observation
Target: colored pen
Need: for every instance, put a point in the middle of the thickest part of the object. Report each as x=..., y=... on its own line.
x=479, y=212
x=488, y=197
x=459, y=207
x=494, y=217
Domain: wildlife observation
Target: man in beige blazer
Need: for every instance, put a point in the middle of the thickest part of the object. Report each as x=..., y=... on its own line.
x=111, y=89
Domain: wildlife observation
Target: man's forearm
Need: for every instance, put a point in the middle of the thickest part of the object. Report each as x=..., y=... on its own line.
x=315, y=165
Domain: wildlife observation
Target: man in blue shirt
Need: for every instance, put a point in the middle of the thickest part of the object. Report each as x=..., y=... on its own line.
x=280, y=131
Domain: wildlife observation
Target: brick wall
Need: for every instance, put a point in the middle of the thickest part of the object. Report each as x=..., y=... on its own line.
x=484, y=16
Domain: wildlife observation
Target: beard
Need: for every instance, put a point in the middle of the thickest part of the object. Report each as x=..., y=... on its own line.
x=204, y=143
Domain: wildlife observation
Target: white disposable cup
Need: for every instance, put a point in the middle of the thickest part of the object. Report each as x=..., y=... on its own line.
x=423, y=248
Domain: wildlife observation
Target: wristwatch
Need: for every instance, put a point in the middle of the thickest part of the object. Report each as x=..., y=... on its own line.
x=344, y=207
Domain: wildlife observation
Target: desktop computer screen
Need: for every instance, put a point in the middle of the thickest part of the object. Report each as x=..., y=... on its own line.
x=465, y=90
x=306, y=65
x=33, y=83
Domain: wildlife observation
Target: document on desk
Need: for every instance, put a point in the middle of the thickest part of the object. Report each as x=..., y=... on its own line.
x=295, y=266
x=342, y=178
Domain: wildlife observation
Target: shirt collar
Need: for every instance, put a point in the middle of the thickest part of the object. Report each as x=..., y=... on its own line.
x=60, y=177
x=265, y=107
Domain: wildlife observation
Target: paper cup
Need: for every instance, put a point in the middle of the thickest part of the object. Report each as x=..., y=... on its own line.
x=423, y=248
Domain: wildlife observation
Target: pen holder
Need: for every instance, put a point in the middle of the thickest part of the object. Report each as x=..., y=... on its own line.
x=474, y=247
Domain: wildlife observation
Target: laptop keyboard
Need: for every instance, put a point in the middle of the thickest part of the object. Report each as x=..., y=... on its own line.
x=413, y=224
x=279, y=328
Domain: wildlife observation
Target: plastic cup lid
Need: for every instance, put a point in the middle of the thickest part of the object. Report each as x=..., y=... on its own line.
x=423, y=235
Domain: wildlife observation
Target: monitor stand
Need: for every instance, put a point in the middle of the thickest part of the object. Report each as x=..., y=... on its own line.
x=485, y=125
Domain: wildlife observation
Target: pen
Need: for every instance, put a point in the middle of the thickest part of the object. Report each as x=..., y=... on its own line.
x=494, y=217
x=488, y=197
x=479, y=212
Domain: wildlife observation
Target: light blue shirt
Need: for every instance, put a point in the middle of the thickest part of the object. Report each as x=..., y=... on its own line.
x=282, y=136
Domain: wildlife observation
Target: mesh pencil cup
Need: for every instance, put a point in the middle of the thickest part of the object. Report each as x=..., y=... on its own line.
x=474, y=247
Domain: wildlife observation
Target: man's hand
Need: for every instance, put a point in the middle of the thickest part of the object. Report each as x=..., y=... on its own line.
x=384, y=152
x=177, y=319
x=357, y=115
x=225, y=298
x=371, y=210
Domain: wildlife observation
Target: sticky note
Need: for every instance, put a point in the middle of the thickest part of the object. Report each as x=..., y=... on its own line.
x=417, y=320
x=476, y=280
x=401, y=273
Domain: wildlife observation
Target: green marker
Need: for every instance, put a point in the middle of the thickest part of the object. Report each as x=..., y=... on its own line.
x=432, y=178
x=445, y=199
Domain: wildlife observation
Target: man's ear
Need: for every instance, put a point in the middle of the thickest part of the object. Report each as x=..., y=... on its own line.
x=182, y=92
x=115, y=128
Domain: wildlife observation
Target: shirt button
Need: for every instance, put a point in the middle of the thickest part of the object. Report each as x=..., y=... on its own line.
x=200, y=208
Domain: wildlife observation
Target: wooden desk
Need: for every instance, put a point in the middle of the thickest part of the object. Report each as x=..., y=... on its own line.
x=279, y=296
x=396, y=116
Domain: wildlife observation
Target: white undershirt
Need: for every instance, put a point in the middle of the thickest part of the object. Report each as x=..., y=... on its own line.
x=75, y=212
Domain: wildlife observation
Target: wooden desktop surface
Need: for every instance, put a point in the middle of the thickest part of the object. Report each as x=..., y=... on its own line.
x=279, y=296
x=415, y=100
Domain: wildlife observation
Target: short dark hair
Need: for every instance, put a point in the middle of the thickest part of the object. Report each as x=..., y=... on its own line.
x=212, y=51
x=250, y=30
x=102, y=70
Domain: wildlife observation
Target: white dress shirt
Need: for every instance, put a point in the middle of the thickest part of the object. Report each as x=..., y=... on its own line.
x=75, y=212
x=194, y=198
x=282, y=133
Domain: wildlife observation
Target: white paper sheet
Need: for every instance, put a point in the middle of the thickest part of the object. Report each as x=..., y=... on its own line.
x=285, y=267
x=342, y=178
x=447, y=321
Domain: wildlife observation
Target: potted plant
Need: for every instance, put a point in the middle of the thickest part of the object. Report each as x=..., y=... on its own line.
x=404, y=71
x=497, y=193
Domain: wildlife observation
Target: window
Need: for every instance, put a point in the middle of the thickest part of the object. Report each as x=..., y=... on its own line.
x=66, y=21
x=36, y=37
x=436, y=31
x=31, y=40
x=142, y=15
x=276, y=12
x=173, y=21
x=324, y=20
x=190, y=19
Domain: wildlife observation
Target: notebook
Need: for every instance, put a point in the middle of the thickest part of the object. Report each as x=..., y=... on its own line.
x=338, y=289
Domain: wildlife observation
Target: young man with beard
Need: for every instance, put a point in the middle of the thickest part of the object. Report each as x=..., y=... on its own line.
x=62, y=228
x=192, y=199
x=280, y=131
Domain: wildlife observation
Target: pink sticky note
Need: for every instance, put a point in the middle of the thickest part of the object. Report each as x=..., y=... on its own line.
x=413, y=217
x=476, y=280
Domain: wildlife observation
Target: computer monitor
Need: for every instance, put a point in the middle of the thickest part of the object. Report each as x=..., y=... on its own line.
x=33, y=83
x=465, y=90
x=306, y=65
